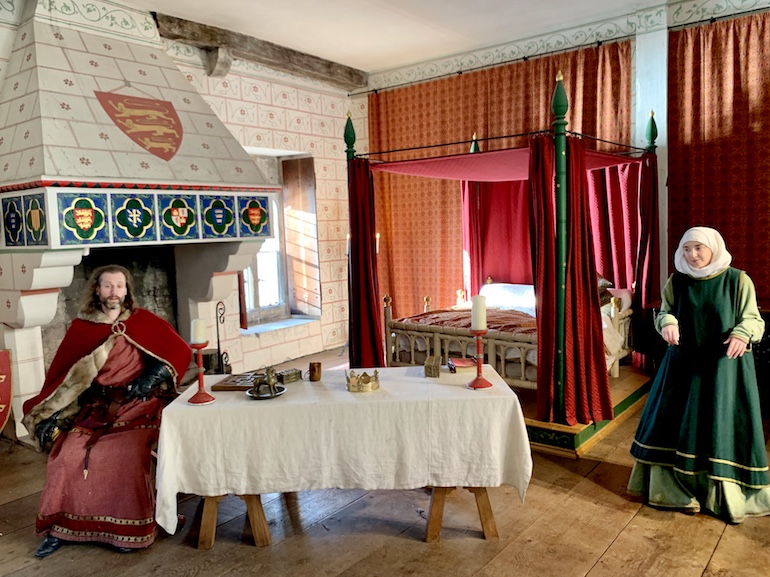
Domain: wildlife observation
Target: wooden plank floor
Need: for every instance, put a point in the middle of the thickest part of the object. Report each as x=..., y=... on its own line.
x=576, y=521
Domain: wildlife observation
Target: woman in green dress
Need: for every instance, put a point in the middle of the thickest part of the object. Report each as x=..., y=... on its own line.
x=700, y=444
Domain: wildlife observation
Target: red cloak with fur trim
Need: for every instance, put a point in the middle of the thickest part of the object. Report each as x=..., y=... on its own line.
x=98, y=483
x=145, y=330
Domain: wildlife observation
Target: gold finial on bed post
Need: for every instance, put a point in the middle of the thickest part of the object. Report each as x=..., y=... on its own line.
x=489, y=280
x=615, y=308
x=387, y=299
x=474, y=144
x=460, y=297
x=426, y=304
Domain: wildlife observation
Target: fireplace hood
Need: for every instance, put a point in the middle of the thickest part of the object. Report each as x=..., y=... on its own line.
x=105, y=142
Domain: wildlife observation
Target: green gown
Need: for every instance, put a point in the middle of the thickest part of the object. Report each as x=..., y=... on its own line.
x=700, y=442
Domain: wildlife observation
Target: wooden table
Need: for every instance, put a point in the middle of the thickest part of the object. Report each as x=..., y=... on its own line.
x=412, y=432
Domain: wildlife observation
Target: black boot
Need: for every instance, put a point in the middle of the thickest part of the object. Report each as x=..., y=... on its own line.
x=49, y=545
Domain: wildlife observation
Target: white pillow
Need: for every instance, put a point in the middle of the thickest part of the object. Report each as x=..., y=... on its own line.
x=625, y=296
x=509, y=296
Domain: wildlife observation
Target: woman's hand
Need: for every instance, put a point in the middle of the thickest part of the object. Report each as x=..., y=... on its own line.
x=670, y=334
x=735, y=348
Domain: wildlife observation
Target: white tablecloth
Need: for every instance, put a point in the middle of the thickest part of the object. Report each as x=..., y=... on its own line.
x=412, y=432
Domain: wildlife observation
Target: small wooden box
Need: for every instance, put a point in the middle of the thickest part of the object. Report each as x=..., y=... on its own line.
x=433, y=367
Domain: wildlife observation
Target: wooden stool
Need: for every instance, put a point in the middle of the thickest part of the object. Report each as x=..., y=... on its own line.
x=254, y=510
x=436, y=513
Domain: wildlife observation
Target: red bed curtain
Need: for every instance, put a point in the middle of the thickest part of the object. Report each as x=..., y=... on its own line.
x=586, y=381
x=542, y=187
x=472, y=276
x=497, y=219
x=647, y=342
x=365, y=328
x=496, y=233
x=624, y=221
x=613, y=197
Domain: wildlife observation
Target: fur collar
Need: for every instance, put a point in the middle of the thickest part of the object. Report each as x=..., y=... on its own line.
x=100, y=317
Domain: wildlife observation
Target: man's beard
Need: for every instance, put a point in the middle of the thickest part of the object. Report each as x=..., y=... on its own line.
x=112, y=304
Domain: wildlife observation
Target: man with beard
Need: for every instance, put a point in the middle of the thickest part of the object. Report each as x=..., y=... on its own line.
x=99, y=414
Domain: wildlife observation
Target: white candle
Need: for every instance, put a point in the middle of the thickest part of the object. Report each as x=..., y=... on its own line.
x=198, y=331
x=478, y=313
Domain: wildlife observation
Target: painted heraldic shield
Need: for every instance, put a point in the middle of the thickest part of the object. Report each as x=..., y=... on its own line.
x=152, y=124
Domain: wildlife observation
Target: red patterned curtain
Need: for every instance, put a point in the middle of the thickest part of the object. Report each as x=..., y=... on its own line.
x=718, y=121
x=420, y=220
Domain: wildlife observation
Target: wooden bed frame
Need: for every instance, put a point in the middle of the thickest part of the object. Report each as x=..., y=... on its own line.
x=431, y=340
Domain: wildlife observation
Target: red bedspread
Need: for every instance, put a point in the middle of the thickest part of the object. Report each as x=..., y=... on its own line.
x=507, y=321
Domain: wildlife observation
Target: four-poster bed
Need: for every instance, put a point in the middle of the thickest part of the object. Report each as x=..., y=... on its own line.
x=510, y=345
x=572, y=383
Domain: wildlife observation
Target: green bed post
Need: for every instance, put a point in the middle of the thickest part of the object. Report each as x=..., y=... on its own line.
x=651, y=133
x=559, y=105
x=350, y=138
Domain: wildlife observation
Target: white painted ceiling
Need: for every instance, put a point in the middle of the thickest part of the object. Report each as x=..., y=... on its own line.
x=376, y=35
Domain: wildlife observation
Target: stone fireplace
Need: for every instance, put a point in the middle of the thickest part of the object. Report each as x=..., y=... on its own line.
x=106, y=148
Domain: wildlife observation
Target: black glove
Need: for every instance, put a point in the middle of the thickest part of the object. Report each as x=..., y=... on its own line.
x=154, y=374
x=47, y=430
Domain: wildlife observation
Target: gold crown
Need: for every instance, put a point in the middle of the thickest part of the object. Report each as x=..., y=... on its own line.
x=362, y=383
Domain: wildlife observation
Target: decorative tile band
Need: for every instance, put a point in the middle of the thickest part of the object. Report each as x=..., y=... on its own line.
x=71, y=217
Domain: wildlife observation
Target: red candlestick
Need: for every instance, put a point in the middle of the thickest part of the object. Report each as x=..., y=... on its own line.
x=479, y=382
x=201, y=397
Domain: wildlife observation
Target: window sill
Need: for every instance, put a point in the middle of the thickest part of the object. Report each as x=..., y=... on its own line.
x=293, y=321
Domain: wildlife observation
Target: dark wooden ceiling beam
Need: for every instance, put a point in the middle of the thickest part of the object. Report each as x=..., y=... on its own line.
x=251, y=49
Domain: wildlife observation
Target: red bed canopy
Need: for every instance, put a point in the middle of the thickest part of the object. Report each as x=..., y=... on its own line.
x=495, y=166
